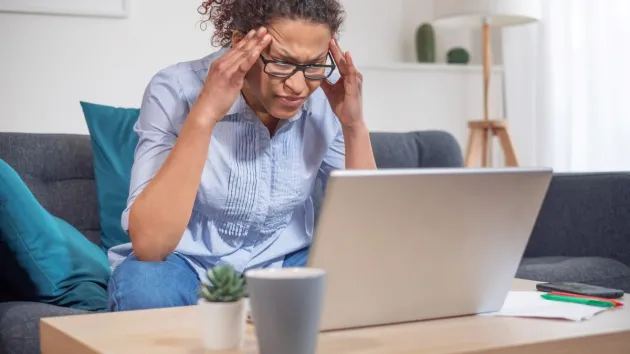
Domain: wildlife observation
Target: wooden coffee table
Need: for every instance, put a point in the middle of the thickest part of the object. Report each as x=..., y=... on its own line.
x=177, y=330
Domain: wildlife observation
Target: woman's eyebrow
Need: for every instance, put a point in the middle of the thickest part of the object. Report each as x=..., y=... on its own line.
x=290, y=58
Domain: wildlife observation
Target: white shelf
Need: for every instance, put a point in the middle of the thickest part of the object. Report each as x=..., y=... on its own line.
x=436, y=67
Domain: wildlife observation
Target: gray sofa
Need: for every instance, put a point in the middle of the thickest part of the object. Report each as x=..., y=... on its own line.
x=582, y=233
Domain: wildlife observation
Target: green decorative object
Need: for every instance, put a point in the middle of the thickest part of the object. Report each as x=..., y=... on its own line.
x=223, y=310
x=458, y=55
x=425, y=44
x=225, y=285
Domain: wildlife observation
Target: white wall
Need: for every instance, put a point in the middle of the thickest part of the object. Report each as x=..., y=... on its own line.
x=426, y=97
x=373, y=31
x=50, y=63
x=521, y=51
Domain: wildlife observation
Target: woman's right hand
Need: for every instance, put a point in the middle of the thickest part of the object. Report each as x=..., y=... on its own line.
x=226, y=75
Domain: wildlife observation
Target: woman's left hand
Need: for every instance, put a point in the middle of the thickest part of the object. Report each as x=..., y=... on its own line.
x=346, y=95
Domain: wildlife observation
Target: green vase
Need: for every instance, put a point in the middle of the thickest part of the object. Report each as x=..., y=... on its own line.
x=458, y=56
x=425, y=44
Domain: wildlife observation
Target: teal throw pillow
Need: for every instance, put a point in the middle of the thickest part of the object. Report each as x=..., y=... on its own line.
x=65, y=268
x=113, y=144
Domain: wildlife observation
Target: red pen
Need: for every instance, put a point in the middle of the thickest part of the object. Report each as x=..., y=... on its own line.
x=617, y=303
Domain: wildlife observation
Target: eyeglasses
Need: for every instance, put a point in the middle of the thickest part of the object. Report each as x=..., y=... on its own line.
x=281, y=68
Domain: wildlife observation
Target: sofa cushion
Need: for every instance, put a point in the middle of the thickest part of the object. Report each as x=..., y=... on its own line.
x=19, y=325
x=113, y=144
x=58, y=170
x=584, y=215
x=589, y=270
x=64, y=267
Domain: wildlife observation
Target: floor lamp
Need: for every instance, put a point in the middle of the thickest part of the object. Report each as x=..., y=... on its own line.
x=483, y=14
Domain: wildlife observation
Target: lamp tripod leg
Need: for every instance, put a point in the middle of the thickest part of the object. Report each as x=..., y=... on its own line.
x=507, y=147
x=477, y=145
x=481, y=135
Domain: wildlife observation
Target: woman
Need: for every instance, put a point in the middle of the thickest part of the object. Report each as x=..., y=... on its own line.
x=230, y=147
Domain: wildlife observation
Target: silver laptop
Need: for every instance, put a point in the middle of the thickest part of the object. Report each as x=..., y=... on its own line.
x=416, y=244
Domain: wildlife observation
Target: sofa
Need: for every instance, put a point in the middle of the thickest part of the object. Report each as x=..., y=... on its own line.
x=582, y=233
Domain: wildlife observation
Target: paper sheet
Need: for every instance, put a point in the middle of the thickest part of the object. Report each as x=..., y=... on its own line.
x=530, y=304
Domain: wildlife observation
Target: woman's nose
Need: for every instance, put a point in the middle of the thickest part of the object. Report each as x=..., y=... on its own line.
x=296, y=82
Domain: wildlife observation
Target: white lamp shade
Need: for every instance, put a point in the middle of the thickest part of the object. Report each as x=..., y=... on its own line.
x=473, y=13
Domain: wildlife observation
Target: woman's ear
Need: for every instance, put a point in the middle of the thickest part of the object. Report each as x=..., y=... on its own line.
x=236, y=38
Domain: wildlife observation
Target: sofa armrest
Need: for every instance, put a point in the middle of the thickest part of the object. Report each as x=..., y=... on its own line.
x=584, y=214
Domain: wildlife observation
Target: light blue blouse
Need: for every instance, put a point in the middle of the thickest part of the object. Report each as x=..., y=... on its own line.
x=255, y=201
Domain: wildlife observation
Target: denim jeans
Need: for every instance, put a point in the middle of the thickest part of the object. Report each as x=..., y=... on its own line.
x=137, y=285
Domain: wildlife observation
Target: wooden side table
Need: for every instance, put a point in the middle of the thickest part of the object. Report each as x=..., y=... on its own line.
x=177, y=330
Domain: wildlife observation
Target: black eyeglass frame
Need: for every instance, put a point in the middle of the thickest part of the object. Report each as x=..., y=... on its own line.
x=300, y=67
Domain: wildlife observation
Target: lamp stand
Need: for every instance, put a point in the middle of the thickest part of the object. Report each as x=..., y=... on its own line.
x=482, y=132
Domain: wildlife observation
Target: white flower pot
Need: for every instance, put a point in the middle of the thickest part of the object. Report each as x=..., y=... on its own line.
x=222, y=324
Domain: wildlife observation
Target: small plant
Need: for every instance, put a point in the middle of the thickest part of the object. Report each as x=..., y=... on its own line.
x=425, y=43
x=458, y=55
x=224, y=285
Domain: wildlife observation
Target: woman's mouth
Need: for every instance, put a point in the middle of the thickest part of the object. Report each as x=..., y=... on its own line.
x=291, y=101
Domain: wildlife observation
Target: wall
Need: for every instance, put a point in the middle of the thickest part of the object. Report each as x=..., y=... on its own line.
x=403, y=97
x=521, y=52
x=49, y=63
x=372, y=34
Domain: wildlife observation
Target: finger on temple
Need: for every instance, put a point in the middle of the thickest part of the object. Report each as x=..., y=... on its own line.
x=350, y=63
x=250, y=45
x=338, y=56
x=243, y=52
x=351, y=71
x=235, y=52
x=243, y=41
x=246, y=62
x=260, y=46
x=250, y=37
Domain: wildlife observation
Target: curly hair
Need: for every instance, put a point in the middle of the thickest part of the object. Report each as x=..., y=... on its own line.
x=245, y=15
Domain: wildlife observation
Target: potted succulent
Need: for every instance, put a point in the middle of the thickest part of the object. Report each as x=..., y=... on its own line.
x=222, y=305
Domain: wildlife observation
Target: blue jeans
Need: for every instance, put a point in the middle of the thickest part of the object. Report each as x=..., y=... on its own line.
x=137, y=285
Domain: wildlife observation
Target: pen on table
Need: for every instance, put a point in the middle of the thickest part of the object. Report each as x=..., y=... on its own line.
x=578, y=300
x=616, y=302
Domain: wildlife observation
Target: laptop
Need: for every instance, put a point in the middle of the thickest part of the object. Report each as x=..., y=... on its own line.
x=416, y=244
